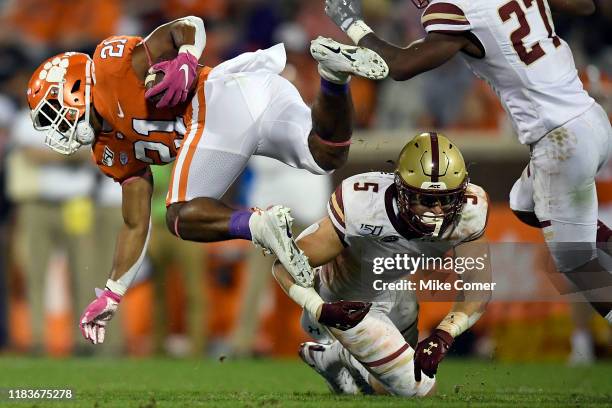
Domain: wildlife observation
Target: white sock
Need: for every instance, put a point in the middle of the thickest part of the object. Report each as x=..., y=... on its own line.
x=333, y=76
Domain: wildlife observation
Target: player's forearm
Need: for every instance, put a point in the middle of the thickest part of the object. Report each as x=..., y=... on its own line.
x=130, y=249
x=470, y=304
x=405, y=63
x=466, y=311
x=307, y=298
x=188, y=35
x=462, y=316
x=133, y=237
x=573, y=7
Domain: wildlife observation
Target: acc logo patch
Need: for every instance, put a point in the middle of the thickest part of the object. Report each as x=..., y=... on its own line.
x=390, y=238
x=108, y=157
x=123, y=158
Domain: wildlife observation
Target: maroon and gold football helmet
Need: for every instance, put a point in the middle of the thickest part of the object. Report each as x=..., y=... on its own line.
x=430, y=173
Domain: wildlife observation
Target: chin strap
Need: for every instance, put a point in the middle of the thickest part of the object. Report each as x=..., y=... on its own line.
x=84, y=131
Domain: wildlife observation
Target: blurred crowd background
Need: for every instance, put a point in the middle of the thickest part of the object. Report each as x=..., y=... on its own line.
x=59, y=216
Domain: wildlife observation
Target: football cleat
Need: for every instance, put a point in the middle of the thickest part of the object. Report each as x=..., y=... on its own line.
x=338, y=61
x=271, y=230
x=339, y=380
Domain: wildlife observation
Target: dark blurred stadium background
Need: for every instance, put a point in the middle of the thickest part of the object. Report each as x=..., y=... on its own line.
x=57, y=217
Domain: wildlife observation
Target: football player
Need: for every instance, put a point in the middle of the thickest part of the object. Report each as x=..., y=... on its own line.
x=512, y=45
x=208, y=122
x=427, y=207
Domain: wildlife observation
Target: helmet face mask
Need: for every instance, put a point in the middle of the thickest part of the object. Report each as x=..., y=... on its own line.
x=430, y=180
x=428, y=212
x=59, y=95
x=59, y=122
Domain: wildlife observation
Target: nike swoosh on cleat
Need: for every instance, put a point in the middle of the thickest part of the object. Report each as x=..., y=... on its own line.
x=335, y=50
x=185, y=70
x=287, y=227
x=348, y=56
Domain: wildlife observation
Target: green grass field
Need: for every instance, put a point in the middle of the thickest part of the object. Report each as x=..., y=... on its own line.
x=152, y=383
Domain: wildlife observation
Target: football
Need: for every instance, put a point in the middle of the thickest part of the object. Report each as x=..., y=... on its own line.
x=152, y=79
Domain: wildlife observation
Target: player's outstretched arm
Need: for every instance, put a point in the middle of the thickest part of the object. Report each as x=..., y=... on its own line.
x=466, y=310
x=130, y=249
x=420, y=56
x=321, y=244
x=404, y=63
x=185, y=38
x=573, y=7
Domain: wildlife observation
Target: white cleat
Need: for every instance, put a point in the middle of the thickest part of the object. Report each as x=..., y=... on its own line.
x=339, y=380
x=271, y=230
x=337, y=61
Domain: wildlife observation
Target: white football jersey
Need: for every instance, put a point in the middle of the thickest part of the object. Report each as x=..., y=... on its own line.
x=364, y=212
x=530, y=68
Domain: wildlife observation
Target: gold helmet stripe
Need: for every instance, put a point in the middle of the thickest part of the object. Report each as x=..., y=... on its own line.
x=435, y=157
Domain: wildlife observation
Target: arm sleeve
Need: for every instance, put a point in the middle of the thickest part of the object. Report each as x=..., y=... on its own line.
x=442, y=17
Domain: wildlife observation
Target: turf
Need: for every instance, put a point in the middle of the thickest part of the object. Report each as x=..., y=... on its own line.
x=149, y=383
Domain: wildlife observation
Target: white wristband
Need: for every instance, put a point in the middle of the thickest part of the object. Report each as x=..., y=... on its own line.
x=307, y=298
x=116, y=287
x=456, y=323
x=188, y=48
x=358, y=30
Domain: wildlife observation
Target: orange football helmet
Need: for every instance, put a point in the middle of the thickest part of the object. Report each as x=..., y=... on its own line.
x=59, y=96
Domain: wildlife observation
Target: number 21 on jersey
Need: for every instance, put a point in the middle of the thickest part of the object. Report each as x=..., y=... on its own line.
x=513, y=10
x=113, y=48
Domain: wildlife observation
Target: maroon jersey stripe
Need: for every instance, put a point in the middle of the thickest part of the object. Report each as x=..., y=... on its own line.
x=387, y=359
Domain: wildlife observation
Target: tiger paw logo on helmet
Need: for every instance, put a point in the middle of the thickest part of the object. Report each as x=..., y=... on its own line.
x=54, y=70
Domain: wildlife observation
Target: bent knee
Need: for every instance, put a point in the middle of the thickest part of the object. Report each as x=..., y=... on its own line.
x=327, y=157
x=172, y=216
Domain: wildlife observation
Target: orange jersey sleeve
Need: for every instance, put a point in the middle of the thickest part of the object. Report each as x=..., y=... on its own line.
x=115, y=157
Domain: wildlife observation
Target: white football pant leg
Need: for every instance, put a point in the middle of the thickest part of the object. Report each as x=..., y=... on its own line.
x=521, y=195
x=285, y=127
x=564, y=164
x=380, y=347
